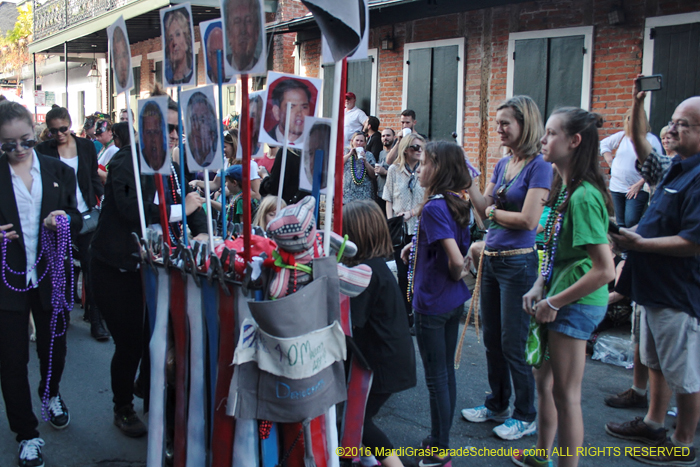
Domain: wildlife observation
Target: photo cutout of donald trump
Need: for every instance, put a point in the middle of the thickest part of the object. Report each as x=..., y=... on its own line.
x=244, y=25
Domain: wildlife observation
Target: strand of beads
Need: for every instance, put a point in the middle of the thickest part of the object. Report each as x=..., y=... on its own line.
x=355, y=179
x=57, y=249
x=6, y=268
x=551, y=234
x=412, y=257
x=176, y=228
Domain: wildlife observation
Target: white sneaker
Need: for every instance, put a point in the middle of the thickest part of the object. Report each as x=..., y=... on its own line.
x=30, y=453
x=482, y=414
x=515, y=429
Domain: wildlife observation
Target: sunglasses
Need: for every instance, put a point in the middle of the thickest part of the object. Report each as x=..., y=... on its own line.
x=416, y=147
x=11, y=147
x=172, y=128
x=63, y=129
x=501, y=196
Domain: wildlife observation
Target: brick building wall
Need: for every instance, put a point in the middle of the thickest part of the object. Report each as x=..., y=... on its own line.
x=617, y=57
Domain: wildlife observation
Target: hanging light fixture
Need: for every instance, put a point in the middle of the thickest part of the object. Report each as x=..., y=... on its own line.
x=93, y=75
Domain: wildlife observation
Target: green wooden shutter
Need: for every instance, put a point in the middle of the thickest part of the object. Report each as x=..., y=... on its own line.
x=328, y=78
x=530, y=70
x=676, y=52
x=565, y=72
x=419, y=87
x=550, y=71
x=360, y=82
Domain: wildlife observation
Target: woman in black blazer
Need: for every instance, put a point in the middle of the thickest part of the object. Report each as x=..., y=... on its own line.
x=34, y=190
x=78, y=153
x=116, y=276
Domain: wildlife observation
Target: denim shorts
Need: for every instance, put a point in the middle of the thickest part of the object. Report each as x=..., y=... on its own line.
x=577, y=320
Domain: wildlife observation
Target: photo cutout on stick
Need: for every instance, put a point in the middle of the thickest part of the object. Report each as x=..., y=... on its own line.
x=244, y=27
x=317, y=142
x=178, y=44
x=121, y=55
x=212, y=35
x=202, y=129
x=153, y=135
x=281, y=89
x=255, y=110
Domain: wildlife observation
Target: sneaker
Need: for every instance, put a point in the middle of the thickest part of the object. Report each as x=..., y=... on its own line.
x=482, y=414
x=627, y=400
x=435, y=461
x=636, y=430
x=30, y=453
x=668, y=455
x=530, y=459
x=126, y=420
x=59, y=417
x=515, y=429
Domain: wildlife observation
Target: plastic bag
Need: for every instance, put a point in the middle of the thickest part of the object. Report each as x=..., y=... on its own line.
x=614, y=350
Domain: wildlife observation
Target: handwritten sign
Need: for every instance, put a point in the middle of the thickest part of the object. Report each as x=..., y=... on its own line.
x=292, y=357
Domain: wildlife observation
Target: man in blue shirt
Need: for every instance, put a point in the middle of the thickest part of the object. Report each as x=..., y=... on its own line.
x=663, y=272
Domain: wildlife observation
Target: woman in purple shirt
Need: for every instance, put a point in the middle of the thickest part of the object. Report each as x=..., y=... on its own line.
x=513, y=201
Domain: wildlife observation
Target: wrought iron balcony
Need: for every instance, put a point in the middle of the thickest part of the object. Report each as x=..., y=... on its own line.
x=53, y=16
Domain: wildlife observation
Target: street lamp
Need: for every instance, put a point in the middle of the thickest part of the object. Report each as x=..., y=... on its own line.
x=93, y=75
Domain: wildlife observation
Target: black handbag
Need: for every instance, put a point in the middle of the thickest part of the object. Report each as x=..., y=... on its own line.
x=90, y=218
x=398, y=231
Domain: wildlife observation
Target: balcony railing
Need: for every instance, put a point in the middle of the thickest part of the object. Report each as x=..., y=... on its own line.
x=52, y=16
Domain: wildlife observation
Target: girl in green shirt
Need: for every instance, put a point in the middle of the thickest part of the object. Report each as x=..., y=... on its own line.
x=570, y=294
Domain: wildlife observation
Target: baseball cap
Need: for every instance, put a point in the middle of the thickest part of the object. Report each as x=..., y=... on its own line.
x=235, y=172
x=350, y=95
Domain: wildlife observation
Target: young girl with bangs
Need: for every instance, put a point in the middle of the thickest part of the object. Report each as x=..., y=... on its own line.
x=570, y=295
x=436, y=261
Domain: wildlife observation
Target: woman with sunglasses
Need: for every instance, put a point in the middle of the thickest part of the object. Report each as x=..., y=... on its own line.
x=358, y=170
x=34, y=190
x=513, y=201
x=103, y=133
x=403, y=195
x=80, y=155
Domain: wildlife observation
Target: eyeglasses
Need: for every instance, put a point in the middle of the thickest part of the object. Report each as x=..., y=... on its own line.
x=172, y=128
x=680, y=124
x=416, y=148
x=63, y=129
x=11, y=147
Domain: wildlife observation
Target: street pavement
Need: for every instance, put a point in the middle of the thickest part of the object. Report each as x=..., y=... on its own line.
x=92, y=439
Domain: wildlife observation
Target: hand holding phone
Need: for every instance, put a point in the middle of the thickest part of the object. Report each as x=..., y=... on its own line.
x=648, y=83
x=613, y=227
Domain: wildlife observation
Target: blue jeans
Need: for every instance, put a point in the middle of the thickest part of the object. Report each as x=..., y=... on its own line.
x=437, y=342
x=504, y=281
x=629, y=211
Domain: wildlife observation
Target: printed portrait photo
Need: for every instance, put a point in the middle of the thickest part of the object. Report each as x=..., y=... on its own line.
x=178, y=46
x=212, y=34
x=244, y=25
x=121, y=56
x=283, y=89
x=153, y=135
x=317, y=143
x=201, y=129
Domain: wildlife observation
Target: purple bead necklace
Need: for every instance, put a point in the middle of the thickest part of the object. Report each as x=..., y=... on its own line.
x=56, y=249
x=355, y=179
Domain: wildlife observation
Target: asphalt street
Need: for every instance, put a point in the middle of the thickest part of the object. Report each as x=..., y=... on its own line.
x=92, y=439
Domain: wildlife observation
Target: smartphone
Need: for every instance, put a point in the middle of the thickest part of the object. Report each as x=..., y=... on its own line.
x=613, y=227
x=649, y=83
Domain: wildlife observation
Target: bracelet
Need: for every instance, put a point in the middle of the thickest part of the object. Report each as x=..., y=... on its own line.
x=551, y=306
x=492, y=214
